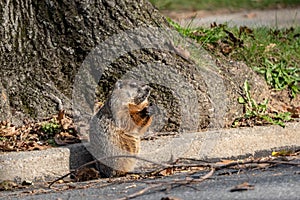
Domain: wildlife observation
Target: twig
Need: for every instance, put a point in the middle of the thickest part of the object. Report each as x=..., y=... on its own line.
x=280, y=162
x=213, y=166
x=105, y=158
x=60, y=178
x=161, y=186
x=194, y=159
x=159, y=134
x=218, y=166
x=141, y=192
x=164, y=185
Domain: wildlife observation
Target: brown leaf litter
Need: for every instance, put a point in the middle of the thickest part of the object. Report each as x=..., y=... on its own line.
x=57, y=130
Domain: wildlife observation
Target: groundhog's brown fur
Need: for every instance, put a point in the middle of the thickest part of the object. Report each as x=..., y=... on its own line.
x=117, y=127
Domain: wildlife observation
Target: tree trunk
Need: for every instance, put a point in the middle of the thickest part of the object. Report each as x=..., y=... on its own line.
x=56, y=52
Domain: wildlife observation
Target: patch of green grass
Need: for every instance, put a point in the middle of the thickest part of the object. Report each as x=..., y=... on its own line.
x=201, y=35
x=272, y=52
x=279, y=76
x=52, y=142
x=51, y=128
x=258, y=112
x=219, y=4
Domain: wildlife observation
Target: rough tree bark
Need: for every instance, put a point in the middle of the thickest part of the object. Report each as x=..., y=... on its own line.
x=44, y=44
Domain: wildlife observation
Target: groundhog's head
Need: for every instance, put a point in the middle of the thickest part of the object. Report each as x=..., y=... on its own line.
x=132, y=91
x=130, y=105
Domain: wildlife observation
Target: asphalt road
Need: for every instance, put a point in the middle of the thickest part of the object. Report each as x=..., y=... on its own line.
x=280, y=182
x=280, y=18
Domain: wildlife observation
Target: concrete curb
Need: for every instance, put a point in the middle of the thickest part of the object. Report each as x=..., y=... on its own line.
x=224, y=143
x=52, y=163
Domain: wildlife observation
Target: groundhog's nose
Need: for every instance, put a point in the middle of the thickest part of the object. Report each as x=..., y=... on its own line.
x=143, y=93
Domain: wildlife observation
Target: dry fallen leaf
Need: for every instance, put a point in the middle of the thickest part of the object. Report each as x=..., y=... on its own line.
x=65, y=138
x=295, y=111
x=245, y=29
x=7, y=131
x=270, y=47
x=250, y=15
x=86, y=174
x=167, y=172
x=282, y=153
x=34, y=136
x=7, y=185
x=225, y=162
x=182, y=52
x=242, y=187
x=98, y=106
x=170, y=198
x=61, y=115
x=66, y=123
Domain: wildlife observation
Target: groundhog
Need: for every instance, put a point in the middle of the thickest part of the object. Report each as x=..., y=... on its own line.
x=117, y=127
